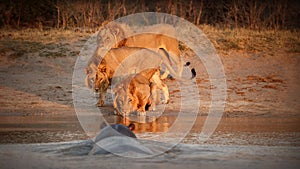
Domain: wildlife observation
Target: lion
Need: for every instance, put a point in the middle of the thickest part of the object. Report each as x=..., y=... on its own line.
x=156, y=36
x=137, y=93
x=115, y=57
x=113, y=35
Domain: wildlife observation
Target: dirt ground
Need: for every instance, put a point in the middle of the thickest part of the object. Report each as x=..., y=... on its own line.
x=262, y=106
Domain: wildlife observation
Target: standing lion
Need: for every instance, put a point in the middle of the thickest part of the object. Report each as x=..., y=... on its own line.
x=116, y=57
x=114, y=35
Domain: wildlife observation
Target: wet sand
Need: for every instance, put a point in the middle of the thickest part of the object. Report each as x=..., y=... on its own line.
x=60, y=155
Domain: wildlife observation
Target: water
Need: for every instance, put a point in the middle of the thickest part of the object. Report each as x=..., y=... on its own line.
x=238, y=142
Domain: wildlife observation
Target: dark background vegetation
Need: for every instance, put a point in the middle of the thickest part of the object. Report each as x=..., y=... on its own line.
x=70, y=14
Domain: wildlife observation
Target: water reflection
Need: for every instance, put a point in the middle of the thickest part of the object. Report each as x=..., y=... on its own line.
x=258, y=130
x=160, y=124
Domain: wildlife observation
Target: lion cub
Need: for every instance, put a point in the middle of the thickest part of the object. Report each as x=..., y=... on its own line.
x=137, y=93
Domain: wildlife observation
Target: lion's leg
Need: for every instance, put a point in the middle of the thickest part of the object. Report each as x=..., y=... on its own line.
x=153, y=96
x=101, y=99
x=161, y=85
x=167, y=72
x=102, y=96
x=165, y=75
x=100, y=103
x=178, y=61
x=142, y=104
x=179, y=65
x=134, y=102
x=180, y=69
x=142, y=108
x=166, y=93
x=158, y=96
x=115, y=100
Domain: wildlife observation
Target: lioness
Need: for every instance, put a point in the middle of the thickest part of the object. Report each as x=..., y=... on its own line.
x=114, y=58
x=138, y=92
x=114, y=35
x=154, y=37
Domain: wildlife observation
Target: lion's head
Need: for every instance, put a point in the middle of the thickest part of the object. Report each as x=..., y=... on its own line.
x=102, y=78
x=111, y=35
x=123, y=101
x=102, y=81
x=108, y=36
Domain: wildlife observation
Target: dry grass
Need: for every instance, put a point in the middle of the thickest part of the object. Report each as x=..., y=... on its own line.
x=51, y=43
x=269, y=41
x=47, y=36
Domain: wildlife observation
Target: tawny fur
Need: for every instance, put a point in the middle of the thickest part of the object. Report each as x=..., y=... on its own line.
x=114, y=35
x=138, y=92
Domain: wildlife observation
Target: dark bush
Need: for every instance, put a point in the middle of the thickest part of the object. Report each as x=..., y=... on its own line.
x=68, y=14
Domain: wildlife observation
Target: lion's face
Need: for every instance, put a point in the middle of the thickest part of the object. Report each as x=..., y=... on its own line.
x=104, y=37
x=132, y=94
x=101, y=82
x=123, y=102
x=109, y=35
x=90, y=72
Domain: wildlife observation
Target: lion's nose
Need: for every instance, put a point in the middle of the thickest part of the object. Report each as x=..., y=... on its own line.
x=96, y=89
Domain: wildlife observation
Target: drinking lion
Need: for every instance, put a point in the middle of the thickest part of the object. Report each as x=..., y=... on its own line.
x=137, y=93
